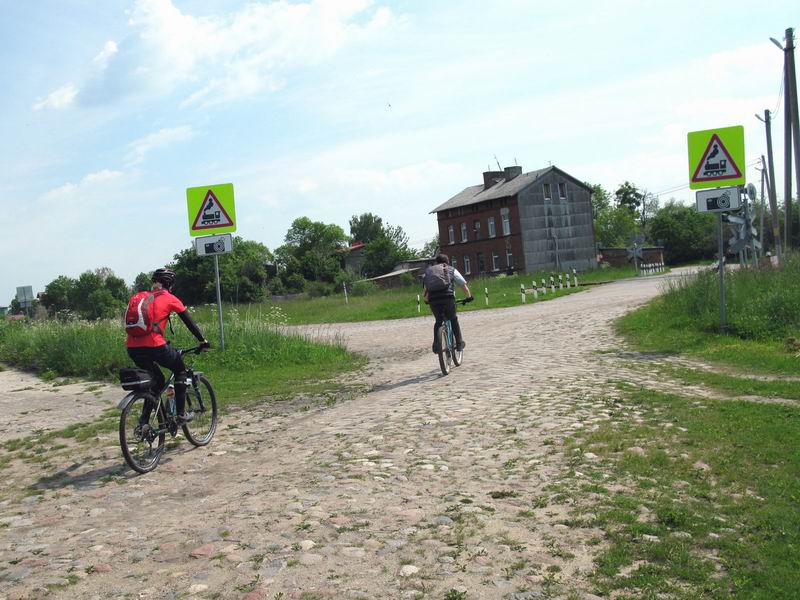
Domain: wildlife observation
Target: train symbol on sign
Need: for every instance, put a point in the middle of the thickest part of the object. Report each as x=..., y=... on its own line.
x=210, y=216
x=715, y=168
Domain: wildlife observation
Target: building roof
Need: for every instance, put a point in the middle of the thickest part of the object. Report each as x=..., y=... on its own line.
x=502, y=189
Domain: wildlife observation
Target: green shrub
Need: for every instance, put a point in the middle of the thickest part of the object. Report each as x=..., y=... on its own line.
x=363, y=288
x=318, y=289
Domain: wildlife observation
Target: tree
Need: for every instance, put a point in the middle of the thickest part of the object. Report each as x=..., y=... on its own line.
x=600, y=199
x=629, y=196
x=57, y=293
x=242, y=273
x=615, y=226
x=365, y=227
x=87, y=282
x=143, y=282
x=385, y=251
x=650, y=207
x=430, y=249
x=686, y=234
x=312, y=250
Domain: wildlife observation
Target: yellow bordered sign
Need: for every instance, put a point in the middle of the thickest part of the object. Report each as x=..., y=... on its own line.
x=211, y=209
x=716, y=157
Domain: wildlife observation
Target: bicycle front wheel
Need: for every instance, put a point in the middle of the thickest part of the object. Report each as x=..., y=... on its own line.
x=200, y=400
x=141, y=434
x=444, y=350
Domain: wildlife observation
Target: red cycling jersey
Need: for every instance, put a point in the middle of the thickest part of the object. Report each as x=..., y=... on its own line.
x=163, y=305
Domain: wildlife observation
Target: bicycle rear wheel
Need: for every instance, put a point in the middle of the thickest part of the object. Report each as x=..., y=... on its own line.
x=201, y=400
x=142, y=441
x=457, y=354
x=444, y=350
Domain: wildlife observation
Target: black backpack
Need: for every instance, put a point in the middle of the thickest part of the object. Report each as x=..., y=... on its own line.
x=437, y=278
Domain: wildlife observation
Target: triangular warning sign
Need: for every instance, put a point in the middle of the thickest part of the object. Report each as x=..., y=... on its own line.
x=212, y=214
x=716, y=163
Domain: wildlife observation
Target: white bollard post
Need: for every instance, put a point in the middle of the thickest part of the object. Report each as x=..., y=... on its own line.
x=522, y=292
x=560, y=281
x=574, y=278
x=544, y=287
x=566, y=277
x=486, y=295
x=344, y=285
x=418, y=308
x=552, y=285
x=535, y=292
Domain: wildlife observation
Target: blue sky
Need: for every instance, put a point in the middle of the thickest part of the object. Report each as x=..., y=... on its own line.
x=332, y=108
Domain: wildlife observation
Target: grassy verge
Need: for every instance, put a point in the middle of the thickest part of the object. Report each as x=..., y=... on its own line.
x=763, y=314
x=259, y=361
x=402, y=302
x=710, y=507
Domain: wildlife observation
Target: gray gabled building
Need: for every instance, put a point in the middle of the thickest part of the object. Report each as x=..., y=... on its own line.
x=515, y=221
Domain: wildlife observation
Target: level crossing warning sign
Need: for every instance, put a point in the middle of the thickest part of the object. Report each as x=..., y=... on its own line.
x=211, y=209
x=716, y=157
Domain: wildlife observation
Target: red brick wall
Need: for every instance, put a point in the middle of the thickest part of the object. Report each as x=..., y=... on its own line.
x=481, y=212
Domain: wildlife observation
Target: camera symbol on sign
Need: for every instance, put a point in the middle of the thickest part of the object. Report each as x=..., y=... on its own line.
x=721, y=202
x=215, y=247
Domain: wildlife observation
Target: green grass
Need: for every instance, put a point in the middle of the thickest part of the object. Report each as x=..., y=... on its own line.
x=402, y=302
x=726, y=472
x=259, y=361
x=744, y=510
x=763, y=313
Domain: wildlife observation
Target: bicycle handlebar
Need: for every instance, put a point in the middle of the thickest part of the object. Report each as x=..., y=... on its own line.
x=196, y=350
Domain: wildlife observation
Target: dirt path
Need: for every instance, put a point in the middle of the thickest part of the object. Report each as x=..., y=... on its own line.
x=424, y=485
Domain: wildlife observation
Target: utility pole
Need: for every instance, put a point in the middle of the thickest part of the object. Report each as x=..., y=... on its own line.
x=761, y=215
x=773, y=200
x=791, y=132
x=791, y=91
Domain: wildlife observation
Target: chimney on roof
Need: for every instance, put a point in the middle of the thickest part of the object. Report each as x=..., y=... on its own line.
x=512, y=172
x=490, y=178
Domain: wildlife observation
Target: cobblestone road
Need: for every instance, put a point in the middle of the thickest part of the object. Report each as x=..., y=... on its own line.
x=423, y=485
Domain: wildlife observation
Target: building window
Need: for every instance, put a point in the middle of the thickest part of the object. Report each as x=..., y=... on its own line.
x=454, y=261
x=506, y=221
x=481, y=265
x=463, y=232
x=495, y=261
x=492, y=230
x=547, y=194
x=562, y=191
x=509, y=259
x=451, y=234
x=477, y=225
x=467, y=269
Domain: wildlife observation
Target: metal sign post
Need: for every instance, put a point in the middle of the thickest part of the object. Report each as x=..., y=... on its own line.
x=721, y=248
x=214, y=245
x=219, y=305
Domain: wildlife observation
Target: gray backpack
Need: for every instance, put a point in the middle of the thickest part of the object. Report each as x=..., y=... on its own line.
x=437, y=278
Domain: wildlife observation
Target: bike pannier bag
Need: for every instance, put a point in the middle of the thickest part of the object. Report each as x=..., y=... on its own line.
x=437, y=278
x=135, y=380
x=140, y=316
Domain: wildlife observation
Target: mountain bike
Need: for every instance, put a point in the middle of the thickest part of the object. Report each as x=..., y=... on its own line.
x=449, y=354
x=146, y=420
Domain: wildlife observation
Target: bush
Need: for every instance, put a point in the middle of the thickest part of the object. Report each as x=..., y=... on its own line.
x=363, y=288
x=318, y=289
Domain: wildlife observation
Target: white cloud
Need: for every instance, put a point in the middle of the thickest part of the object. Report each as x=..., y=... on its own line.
x=160, y=139
x=63, y=97
x=223, y=58
x=108, y=51
x=99, y=182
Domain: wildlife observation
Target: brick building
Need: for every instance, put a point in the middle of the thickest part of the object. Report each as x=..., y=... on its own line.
x=518, y=221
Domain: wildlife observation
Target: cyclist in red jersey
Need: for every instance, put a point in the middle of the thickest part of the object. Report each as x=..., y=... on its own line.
x=151, y=350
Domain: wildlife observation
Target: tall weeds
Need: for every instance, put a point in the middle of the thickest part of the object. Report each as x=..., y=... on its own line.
x=761, y=304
